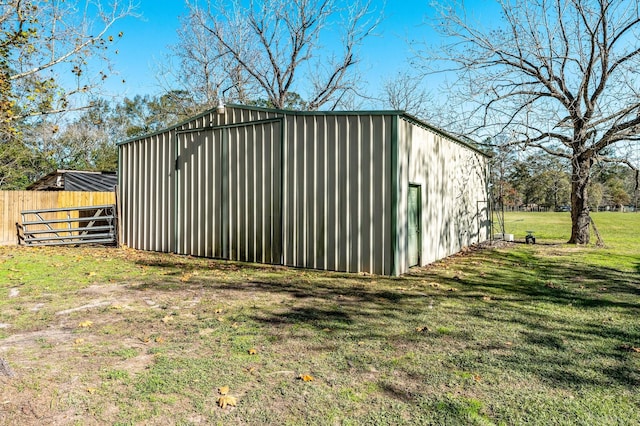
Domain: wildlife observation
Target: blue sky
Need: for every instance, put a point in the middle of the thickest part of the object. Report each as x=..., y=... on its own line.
x=147, y=38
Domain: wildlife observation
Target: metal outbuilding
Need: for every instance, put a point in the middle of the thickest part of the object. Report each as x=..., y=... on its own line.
x=375, y=191
x=76, y=180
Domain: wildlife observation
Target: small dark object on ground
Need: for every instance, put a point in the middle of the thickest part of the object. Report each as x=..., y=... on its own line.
x=530, y=239
x=5, y=368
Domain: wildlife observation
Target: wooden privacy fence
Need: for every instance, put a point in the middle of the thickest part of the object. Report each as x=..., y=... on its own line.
x=12, y=203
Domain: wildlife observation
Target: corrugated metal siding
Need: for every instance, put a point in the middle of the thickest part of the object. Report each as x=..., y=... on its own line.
x=146, y=193
x=326, y=191
x=453, y=182
x=337, y=202
x=80, y=181
x=153, y=192
x=254, y=202
x=199, y=194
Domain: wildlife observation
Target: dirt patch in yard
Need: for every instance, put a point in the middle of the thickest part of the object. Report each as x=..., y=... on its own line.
x=110, y=336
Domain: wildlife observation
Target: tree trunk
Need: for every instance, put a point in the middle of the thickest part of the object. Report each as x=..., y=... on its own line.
x=580, y=219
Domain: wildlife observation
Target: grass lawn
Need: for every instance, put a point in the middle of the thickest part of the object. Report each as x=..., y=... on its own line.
x=517, y=334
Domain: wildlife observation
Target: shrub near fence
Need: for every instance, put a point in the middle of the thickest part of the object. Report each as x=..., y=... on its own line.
x=13, y=202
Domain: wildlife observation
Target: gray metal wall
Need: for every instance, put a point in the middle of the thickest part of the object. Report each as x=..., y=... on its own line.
x=146, y=193
x=453, y=182
x=337, y=196
x=208, y=187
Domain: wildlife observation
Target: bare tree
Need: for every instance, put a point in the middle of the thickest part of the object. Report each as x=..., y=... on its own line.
x=272, y=45
x=558, y=75
x=202, y=73
x=406, y=92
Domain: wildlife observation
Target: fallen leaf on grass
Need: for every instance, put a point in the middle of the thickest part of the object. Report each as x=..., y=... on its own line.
x=486, y=298
x=218, y=311
x=85, y=324
x=223, y=390
x=220, y=319
x=629, y=348
x=252, y=351
x=225, y=400
x=92, y=274
x=306, y=378
x=167, y=318
x=92, y=390
x=185, y=278
x=159, y=339
x=78, y=341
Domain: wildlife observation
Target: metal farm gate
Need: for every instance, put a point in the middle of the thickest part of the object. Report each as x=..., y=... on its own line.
x=70, y=225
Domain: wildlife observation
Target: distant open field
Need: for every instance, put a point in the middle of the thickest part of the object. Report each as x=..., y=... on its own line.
x=508, y=335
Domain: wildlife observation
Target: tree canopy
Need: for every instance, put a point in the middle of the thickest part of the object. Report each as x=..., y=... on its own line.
x=54, y=55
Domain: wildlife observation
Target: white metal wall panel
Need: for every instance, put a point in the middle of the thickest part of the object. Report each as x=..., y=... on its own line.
x=453, y=181
x=337, y=205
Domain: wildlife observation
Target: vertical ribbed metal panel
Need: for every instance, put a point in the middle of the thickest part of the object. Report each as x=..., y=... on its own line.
x=254, y=203
x=306, y=190
x=336, y=199
x=146, y=193
x=453, y=184
x=199, y=194
x=229, y=192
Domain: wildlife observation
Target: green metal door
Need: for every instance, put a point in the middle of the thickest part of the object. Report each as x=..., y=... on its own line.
x=413, y=237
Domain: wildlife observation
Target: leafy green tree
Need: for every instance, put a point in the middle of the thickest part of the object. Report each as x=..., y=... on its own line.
x=293, y=101
x=556, y=187
x=19, y=165
x=43, y=43
x=596, y=191
x=147, y=114
x=616, y=193
x=53, y=55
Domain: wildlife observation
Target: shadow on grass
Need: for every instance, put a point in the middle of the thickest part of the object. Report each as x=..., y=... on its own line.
x=555, y=280
x=565, y=321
